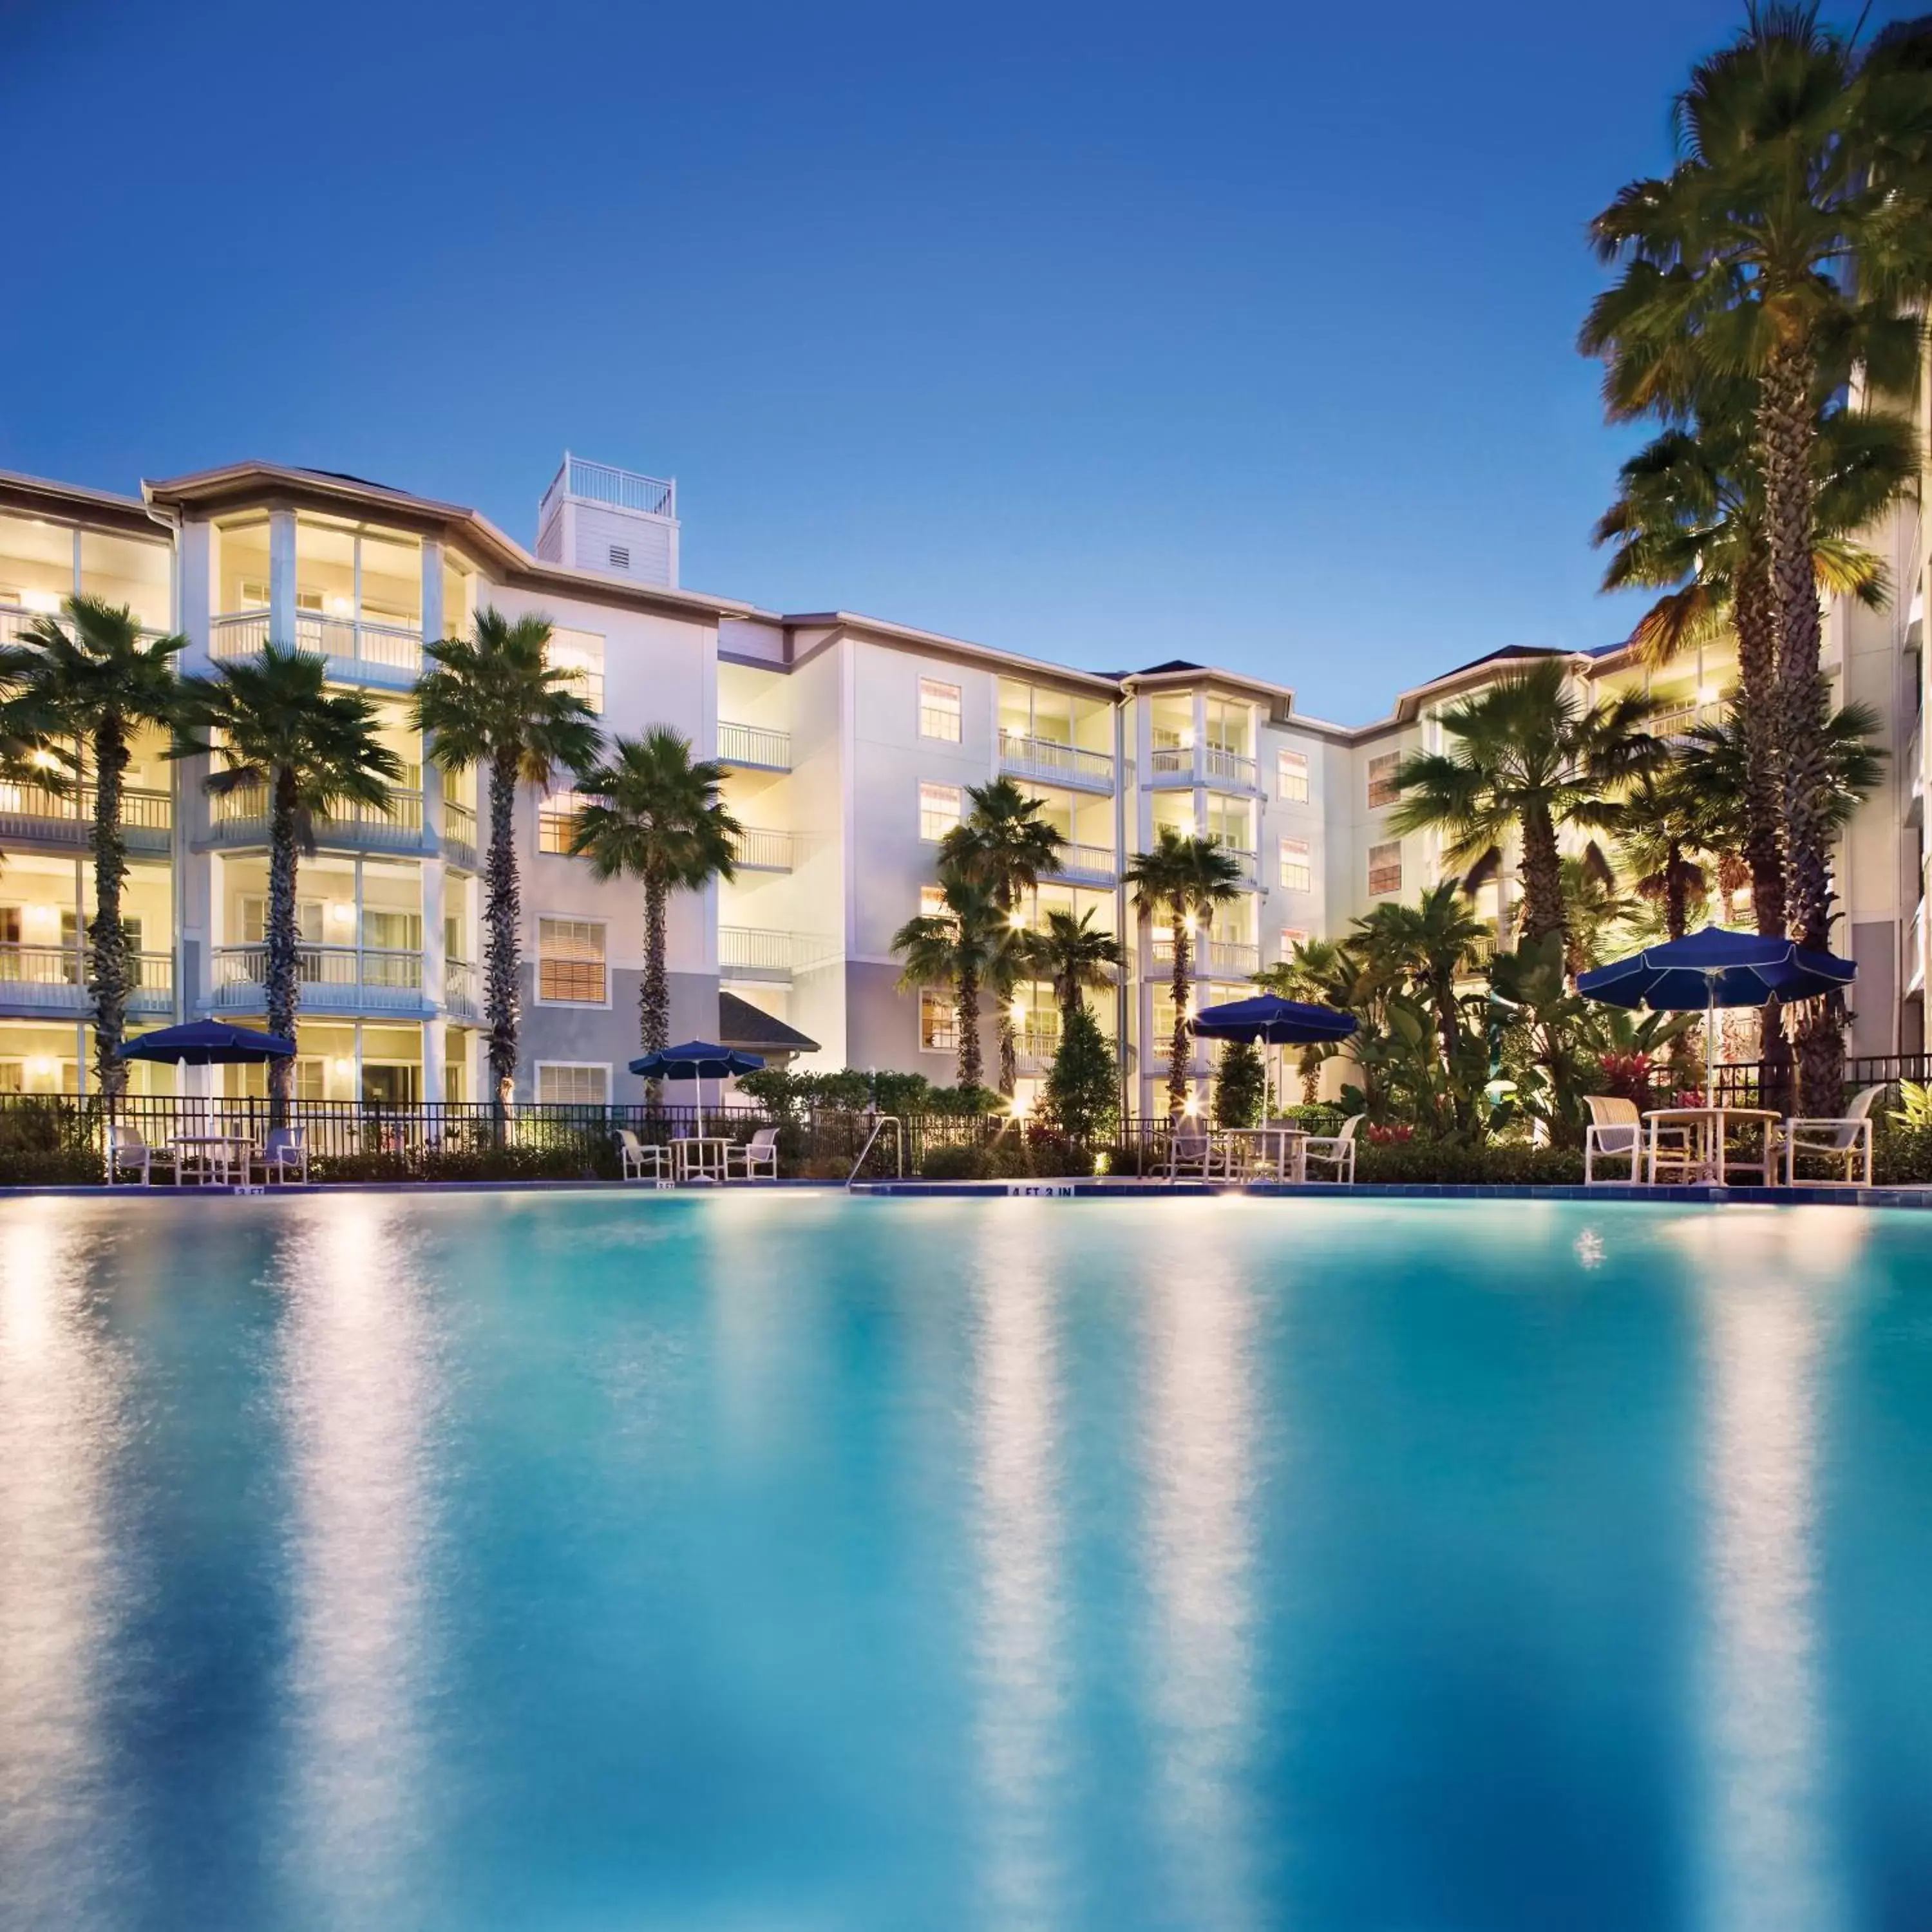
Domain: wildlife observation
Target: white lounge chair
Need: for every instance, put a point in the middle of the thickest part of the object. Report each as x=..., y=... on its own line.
x=1191, y=1150
x=126, y=1150
x=758, y=1157
x=1335, y=1151
x=284, y=1155
x=1848, y=1139
x=642, y=1160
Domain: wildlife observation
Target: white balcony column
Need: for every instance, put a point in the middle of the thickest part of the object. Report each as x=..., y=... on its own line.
x=282, y=576
x=1200, y=702
x=435, y=1041
x=359, y=982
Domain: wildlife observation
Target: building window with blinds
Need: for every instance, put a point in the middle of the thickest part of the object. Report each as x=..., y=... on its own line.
x=1385, y=868
x=570, y=962
x=1292, y=939
x=938, y=1021
x=1290, y=779
x=938, y=811
x=1382, y=787
x=939, y=710
x=1297, y=872
x=561, y=1084
x=579, y=655
x=556, y=821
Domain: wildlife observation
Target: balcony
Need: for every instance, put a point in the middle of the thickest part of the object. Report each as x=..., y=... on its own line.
x=1216, y=958
x=332, y=979
x=461, y=998
x=242, y=818
x=751, y=748
x=600, y=483
x=1172, y=766
x=1034, y=1046
x=36, y=980
x=762, y=851
x=357, y=653
x=32, y=815
x=1677, y=724
x=1054, y=763
x=1084, y=865
x=756, y=952
x=1250, y=861
x=459, y=836
x=16, y=620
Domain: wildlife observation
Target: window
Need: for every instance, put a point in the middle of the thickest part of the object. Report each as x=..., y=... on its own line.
x=1382, y=790
x=390, y=932
x=1296, y=874
x=556, y=821
x=1292, y=938
x=1385, y=867
x=938, y=710
x=560, y=1083
x=938, y=810
x=570, y=960
x=1292, y=777
x=938, y=1021
x=255, y=922
x=579, y=655
x=932, y=903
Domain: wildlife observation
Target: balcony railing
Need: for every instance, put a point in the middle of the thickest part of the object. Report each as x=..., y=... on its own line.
x=1212, y=955
x=753, y=746
x=1676, y=724
x=601, y=483
x=1035, y=1045
x=337, y=976
x=757, y=953
x=459, y=835
x=53, y=978
x=1075, y=861
x=759, y=850
x=1047, y=758
x=358, y=651
x=459, y=989
x=31, y=812
x=16, y=620
x=242, y=818
x=1250, y=861
x=1203, y=764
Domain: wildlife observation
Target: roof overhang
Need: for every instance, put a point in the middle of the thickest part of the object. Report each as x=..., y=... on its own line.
x=69, y=503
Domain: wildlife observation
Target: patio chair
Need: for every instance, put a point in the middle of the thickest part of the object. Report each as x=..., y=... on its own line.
x=284, y=1154
x=757, y=1158
x=1615, y=1132
x=126, y=1150
x=1847, y=1139
x=1335, y=1152
x=642, y=1160
x=1191, y=1150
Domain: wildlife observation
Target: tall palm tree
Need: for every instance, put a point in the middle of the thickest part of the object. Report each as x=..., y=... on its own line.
x=1312, y=973
x=309, y=751
x=95, y=678
x=491, y=700
x=1075, y=954
x=1529, y=757
x=1798, y=217
x=1186, y=878
x=655, y=814
x=958, y=950
x=1430, y=941
x=1660, y=825
x=1005, y=843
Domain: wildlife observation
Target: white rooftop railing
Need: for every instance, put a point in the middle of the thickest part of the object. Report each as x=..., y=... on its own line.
x=603, y=483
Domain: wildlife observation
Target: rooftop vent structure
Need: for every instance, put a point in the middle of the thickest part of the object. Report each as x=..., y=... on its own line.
x=613, y=521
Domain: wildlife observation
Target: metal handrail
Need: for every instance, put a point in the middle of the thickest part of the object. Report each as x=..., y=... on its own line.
x=879, y=1126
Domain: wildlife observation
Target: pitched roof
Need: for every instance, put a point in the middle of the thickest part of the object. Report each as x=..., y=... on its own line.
x=742, y=1025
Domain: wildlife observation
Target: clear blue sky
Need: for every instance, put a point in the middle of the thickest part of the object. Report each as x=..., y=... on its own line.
x=1104, y=333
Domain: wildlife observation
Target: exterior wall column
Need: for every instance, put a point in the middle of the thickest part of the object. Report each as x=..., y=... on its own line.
x=435, y=882
x=282, y=576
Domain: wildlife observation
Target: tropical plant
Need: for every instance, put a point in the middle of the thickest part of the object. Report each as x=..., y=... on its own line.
x=1241, y=1082
x=1308, y=973
x=492, y=702
x=1186, y=877
x=1004, y=843
x=958, y=950
x=1076, y=956
x=654, y=814
x=1660, y=825
x=1528, y=757
x=1598, y=916
x=95, y=678
x=1083, y=1085
x=308, y=751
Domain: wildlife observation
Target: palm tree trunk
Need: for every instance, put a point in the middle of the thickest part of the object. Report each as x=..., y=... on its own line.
x=284, y=992
x=1785, y=431
x=107, y=965
x=1010, y=1056
x=1676, y=891
x=1542, y=877
x=1177, y=1049
x=502, y=920
x=654, y=985
x=966, y=1018
x=1757, y=624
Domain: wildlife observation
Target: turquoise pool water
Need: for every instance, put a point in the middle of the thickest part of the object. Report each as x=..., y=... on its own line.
x=786, y=1561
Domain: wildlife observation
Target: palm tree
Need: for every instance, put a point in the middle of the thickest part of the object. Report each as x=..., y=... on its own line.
x=308, y=750
x=1593, y=907
x=1431, y=941
x=958, y=950
x=1312, y=973
x=1796, y=219
x=96, y=678
x=655, y=814
x=493, y=701
x=1004, y=843
x=1528, y=757
x=1660, y=825
x=1186, y=877
x=1075, y=954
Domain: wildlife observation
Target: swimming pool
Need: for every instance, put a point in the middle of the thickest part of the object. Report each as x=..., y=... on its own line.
x=788, y=1560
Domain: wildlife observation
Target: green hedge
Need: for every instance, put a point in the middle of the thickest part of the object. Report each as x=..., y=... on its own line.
x=1508, y=1164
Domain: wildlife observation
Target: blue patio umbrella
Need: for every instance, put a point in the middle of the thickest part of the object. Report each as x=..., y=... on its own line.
x=696, y=1059
x=1716, y=968
x=1268, y=1019
x=210, y=1043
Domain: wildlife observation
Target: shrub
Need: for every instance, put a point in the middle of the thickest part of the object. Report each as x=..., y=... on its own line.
x=1240, y=1085
x=49, y=1167
x=955, y=1161
x=1083, y=1090
x=1449, y=1163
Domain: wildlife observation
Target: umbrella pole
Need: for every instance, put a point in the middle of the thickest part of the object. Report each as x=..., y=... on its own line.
x=1710, y=1041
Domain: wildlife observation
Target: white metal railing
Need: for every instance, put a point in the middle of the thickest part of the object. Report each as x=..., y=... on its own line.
x=750, y=949
x=1248, y=860
x=56, y=977
x=604, y=483
x=38, y=811
x=345, y=975
x=1677, y=721
x=16, y=620
x=459, y=826
x=1035, y=1045
x=1207, y=764
x=759, y=850
x=1225, y=767
x=385, y=653
x=879, y=1126
x=753, y=745
x=1049, y=758
x=459, y=987
x=1087, y=861
x=1212, y=955
x=243, y=815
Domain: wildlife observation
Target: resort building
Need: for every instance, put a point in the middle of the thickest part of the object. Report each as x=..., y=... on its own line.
x=850, y=744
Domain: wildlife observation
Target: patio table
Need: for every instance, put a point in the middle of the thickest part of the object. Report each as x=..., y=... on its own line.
x=212, y=1154
x=1283, y=1147
x=700, y=1157
x=1708, y=1161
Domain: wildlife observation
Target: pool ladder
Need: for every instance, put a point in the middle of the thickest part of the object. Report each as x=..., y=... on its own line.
x=879, y=1126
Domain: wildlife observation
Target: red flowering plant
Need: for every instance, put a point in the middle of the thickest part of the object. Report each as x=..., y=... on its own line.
x=1627, y=1075
x=1391, y=1133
